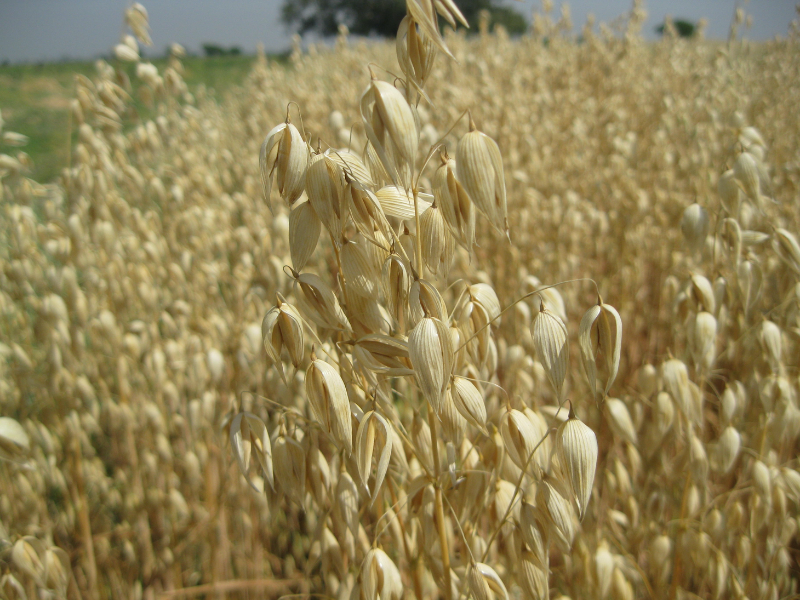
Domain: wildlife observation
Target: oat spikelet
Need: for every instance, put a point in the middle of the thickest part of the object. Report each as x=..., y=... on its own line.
x=391, y=129
x=552, y=497
x=329, y=402
x=469, y=402
x=396, y=288
x=289, y=464
x=249, y=436
x=550, y=340
x=438, y=245
x=281, y=328
x=576, y=445
x=520, y=438
x=14, y=442
x=284, y=156
x=304, y=230
x=480, y=171
x=324, y=183
x=533, y=576
x=380, y=578
x=416, y=53
x=485, y=583
x=431, y=351
x=373, y=429
x=318, y=302
x=600, y=331
x=452, y=198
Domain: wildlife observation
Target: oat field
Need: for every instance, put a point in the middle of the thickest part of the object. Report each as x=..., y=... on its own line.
x=443, y=317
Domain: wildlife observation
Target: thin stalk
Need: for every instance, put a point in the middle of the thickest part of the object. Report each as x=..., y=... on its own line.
x=439, y=506
x=84, y=522
x=418, y=238
x=412, y=563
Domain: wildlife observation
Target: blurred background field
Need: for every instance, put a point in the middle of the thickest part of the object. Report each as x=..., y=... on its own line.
x=35, y=100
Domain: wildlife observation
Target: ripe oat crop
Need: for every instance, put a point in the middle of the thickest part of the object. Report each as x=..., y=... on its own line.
x=445, y=318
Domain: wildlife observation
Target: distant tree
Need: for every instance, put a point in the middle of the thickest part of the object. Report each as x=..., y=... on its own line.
x=685, y=29
x=216, y=50
x=382, y=17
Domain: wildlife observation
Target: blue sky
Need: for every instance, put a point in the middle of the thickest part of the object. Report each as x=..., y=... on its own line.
x=43, y=30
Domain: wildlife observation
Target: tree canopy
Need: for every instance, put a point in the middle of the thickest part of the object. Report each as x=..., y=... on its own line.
x=684, y=28
x=382, y=17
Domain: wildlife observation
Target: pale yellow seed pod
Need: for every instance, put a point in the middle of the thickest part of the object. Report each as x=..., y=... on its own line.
x=373, y=429
x=576, y=445
x=703, y=293
x=619, y=419
x=304, y=230
x=431, y=351
x=660, y=553
x=14, y=442
x=730, y=442
x=647, y=377
x=621, y=588
x=600, y=330
x=751, y=281
x=694, y=226
x=532, y=525
x=383, y=354
x=457, y=209
x=480, y=171
x=136, y=18
x=57, y=569
x=329, y=402
x=27, y=554
x=353, y=167
x=533, y=576
x=289, y=464
x=676, y=380
x=729, y=192
x=453, y=424
x=249, y=436
x=769, y=336
x=366, y=210
x=398, y=203
x=358, y=270
x=469, y=402
x=324, y=184
x=391, y=129
x=604, y=568
x=316, y=300
x=745, y=169
x=552, y=498
x=281, y=328
x=380, y=578
x=416, y=53
x=520, y=438
x=438, y=245
x=284, y=156
x=704, y=340
x=484, y=583
x=125, y=53
x=552, y=349
x=786, y=246
x=396, y=289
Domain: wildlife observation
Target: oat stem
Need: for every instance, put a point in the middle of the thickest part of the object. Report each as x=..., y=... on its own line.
x=439, y=506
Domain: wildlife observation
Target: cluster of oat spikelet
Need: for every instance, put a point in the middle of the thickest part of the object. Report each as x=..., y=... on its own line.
x=380, y=352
